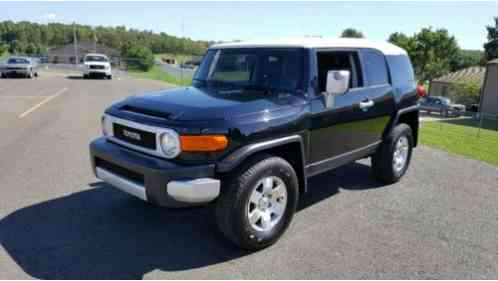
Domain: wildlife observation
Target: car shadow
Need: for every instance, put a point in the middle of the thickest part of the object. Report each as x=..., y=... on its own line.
x=102, y=233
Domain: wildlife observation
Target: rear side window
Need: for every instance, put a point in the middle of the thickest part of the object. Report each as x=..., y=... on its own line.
x=401, y=69
x=375, y=68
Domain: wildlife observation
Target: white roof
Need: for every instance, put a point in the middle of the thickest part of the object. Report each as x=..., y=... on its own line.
x=318, y=42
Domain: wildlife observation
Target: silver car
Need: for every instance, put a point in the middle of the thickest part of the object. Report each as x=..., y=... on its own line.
x=19, y=66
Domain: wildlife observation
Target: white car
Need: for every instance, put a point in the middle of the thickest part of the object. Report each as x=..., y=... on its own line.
x=97, y=65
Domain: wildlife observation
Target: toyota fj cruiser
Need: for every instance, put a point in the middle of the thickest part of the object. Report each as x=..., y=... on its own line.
x=259, y=120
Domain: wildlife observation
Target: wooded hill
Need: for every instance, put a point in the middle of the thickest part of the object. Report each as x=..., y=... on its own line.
x=31, y=38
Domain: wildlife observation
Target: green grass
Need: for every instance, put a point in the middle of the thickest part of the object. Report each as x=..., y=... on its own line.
x=156, y=73
x=4, y=55
x=463, y=137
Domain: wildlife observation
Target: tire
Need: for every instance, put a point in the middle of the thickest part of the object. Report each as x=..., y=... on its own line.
x=109, y=77
x=383, y=161
x=233, y=208
x=85, y=76
x=30, y=75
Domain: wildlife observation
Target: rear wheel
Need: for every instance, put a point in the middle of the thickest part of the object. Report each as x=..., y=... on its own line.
x=392, y=158
x=258, y=202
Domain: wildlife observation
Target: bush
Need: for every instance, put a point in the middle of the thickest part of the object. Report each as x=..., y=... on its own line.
x=138, y=57
x=467, y=93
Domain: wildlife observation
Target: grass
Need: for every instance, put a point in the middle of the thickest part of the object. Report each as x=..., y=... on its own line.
x=463, y=137
x=4, y=55
x=156, y=73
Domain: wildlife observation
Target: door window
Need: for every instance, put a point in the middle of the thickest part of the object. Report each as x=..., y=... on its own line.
x=339, y=60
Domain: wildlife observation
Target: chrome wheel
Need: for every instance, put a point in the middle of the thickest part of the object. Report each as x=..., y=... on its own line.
x=401, y=152
x=267, y=203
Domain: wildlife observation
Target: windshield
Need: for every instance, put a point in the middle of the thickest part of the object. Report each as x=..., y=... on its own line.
x=95, y=59
x=18, y=61
x=252, y=69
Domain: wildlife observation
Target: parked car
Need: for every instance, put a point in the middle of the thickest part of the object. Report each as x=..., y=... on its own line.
x=260, y=119
x=96, y=65
x=442, y=105
x=19, y=66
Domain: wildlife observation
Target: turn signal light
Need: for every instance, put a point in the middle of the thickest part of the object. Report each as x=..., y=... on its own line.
x=206, y=143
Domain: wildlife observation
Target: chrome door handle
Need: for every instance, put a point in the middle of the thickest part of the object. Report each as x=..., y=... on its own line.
x=366, y=104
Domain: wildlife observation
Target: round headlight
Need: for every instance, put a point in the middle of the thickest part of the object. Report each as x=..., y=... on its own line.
x=106, y=126
x=170, y=144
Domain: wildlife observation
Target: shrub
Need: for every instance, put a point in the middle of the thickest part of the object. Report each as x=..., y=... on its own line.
x=467, y=92
x=138, y=57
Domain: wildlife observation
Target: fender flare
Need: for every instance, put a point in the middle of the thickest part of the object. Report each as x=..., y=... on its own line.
x=237, y=157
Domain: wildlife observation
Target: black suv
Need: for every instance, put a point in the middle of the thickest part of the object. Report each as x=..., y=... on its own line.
x=260, y=119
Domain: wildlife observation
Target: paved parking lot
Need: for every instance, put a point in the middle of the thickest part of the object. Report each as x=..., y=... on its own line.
x=58, y=221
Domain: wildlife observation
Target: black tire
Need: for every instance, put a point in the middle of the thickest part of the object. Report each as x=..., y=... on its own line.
x=109, y=77
x=382, y=160
x=85, y=76
x=231, y=208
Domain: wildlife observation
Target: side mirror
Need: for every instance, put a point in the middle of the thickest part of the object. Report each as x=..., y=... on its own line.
x=337, y=82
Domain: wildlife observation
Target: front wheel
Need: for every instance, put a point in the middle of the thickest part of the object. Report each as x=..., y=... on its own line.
x=392, y=158
x=258, y=202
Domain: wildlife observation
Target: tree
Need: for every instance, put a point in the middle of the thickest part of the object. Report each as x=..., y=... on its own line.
x=137, y=56
x=491, y=47
x=430, y=51
x=465, y=59
x=352, y=33
x=467, y=92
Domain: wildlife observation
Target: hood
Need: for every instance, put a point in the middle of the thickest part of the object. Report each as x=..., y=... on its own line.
x=195, y=104
x=17, y=65
x=96, y=63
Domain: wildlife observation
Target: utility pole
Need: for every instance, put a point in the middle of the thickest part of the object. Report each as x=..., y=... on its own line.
x=75, y=41
x=183, y=46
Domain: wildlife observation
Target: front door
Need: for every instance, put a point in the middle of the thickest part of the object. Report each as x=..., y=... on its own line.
x=356, y=119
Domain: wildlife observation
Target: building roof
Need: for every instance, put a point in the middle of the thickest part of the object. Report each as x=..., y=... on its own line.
x=318, y=42
x=475, y=73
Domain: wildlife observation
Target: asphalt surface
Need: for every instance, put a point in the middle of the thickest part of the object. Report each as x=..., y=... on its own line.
x=58, y=221
x=177, y=71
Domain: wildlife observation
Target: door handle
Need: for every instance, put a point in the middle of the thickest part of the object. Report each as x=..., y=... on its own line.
x=366, y=104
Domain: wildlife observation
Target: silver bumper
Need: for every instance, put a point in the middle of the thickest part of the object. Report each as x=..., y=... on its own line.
x=200, y=190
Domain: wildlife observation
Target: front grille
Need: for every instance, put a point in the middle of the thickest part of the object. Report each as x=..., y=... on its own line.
x=120, y=171
x=16, y=68
x=97, y=67
x=134, y=136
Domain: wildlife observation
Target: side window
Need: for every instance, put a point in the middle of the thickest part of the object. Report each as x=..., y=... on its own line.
x=339, y=60
x=375, y=68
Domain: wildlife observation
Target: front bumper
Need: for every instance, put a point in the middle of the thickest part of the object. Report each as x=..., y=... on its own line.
x=23, y=71
x=88, y=71
x=151, y=179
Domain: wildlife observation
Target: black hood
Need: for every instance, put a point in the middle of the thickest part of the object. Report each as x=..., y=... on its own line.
x=196, y=104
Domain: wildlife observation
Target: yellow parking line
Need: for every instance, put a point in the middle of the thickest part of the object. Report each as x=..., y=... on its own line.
x=44, y=101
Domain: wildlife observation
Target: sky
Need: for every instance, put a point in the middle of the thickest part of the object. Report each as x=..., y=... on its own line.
x=226, y=21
